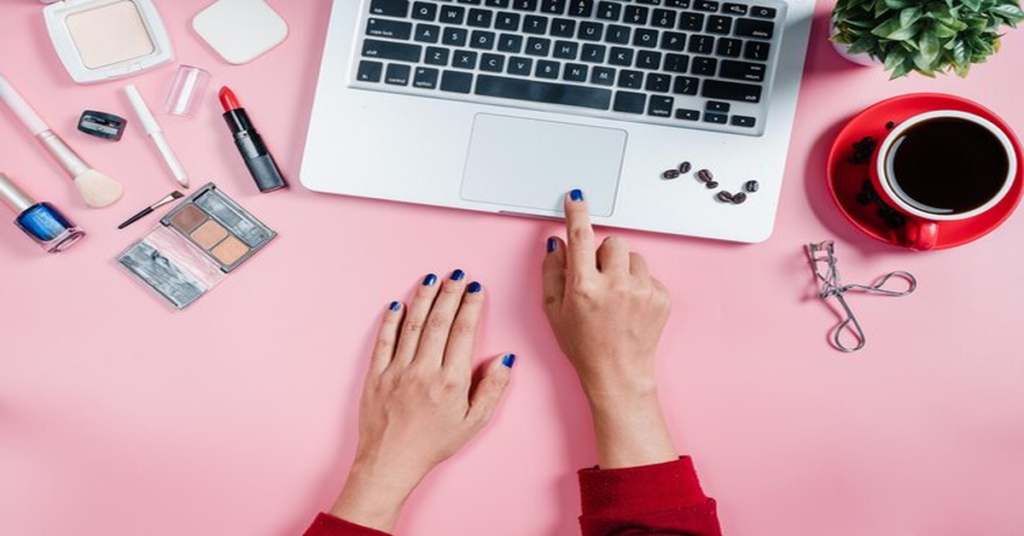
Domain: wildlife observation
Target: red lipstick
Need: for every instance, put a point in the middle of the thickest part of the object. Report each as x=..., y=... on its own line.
x=250, y=144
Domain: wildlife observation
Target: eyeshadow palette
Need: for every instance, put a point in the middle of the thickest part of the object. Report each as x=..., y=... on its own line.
x=196, y=246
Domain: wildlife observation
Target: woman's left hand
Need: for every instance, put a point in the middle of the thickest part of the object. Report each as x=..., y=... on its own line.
x=420, y=404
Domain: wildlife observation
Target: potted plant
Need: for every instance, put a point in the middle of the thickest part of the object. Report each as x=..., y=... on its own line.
x=926, y=36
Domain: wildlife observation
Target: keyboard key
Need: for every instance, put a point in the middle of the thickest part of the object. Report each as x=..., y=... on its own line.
x=636, y=15
x=729, y=48
x=520, y=66
x=673, y=41
x=575, y=72
x=664, y=18
x=390, y=50
x=731, y=91
x=494, y=63
x=704, y=66
x=503, y=4
x=369, y=71
x=658, y=83
x=676, y=63
x=593, y=53
x=566, y=50
x=645, y=38
x=603, y=76
x=701, y=44
x=427, y=33
x=685, y=85
x=390, y=8
x=456, y=82
x=581, y=8
x=623, y=57
x=743, y=121
x=739, y=70
x=464, y=59
x=470, y=2
x=734, y=9
x=718, y=119
x=546, y=92
x=660, y=106
x=609, y=11
x=687, y=115
x=426, y=78
x=718, y=106
x=691, y=22
x=591, y=31
x=397, y=74
x=480, y=18
x=720, y=25
x=756, y=50
x=630, y=103
x=424, y=11
x=455, y=37
x=685, y=4
x=553, y=7
x=437, y=56
x=648, y=59
x=617, y=35
x=705, y=5
x=524, y=5
x=481, y=40
x=548, y=69
x=533, y=24
x=392, y=29
x=507, y=22
x=538, y=46
x=763, y=12
x=453, y=14
x=631, y=79
x=563, y=28
x=760, y=29
x=510, y=43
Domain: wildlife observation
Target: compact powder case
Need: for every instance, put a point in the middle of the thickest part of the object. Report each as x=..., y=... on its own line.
x=196, y=246
x=99, y=40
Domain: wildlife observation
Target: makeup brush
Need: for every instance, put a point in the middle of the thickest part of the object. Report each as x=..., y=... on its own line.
x=96, y=189
x=149, y=210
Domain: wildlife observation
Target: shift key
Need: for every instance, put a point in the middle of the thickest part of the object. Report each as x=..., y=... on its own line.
x=388, y=50
x=731, y=91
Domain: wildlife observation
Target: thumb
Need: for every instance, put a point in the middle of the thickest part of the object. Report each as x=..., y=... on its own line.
x=490, y=389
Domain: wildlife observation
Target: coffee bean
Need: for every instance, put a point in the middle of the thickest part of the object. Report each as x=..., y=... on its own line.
x=711, y=185
x=752, y=186
x=739, y=198
x=670, y=174
x=705, y=176
x=724, y=197
x=890, y=125
x=685, y=167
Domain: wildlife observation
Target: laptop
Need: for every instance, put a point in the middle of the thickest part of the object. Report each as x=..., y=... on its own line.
x=503, y=106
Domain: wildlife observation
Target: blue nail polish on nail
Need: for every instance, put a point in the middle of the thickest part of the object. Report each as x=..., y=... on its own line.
x=576, y=195
x=552, y=245
x=457, y=275
x=475, y=287
x=430, y=280
x=509, y=360
x=395, y=306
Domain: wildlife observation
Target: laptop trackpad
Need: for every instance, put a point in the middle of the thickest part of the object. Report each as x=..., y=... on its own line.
x=532, y=164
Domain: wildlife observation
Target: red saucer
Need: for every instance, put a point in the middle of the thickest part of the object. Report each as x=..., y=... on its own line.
x=845, y=179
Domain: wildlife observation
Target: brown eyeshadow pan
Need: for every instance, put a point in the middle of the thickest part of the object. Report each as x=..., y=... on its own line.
x=209, y=234
x=230, y=250
x=188, y=218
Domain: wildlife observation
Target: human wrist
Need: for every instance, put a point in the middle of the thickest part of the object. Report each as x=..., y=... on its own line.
x=375, y=494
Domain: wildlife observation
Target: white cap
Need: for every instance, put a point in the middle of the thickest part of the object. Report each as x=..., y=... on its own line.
x=13, y=196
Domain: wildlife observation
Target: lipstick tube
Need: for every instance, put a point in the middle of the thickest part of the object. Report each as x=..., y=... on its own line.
x=250, y=144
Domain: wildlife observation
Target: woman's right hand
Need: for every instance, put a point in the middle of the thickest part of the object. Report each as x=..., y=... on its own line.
x=608, y=313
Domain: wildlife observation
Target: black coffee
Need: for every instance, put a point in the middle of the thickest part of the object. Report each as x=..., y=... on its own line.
x=947, y=166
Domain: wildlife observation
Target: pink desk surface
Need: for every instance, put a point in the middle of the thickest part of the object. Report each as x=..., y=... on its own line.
x=120, y=418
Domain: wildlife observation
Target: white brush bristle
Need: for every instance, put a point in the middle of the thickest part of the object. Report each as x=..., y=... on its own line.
x=97, y=189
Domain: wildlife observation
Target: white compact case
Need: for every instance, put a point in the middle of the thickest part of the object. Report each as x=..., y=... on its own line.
x=100, y=40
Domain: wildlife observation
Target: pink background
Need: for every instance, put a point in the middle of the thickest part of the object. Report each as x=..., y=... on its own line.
x=120, y=417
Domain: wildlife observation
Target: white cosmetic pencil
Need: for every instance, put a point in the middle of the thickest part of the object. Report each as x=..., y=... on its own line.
x=156, y=134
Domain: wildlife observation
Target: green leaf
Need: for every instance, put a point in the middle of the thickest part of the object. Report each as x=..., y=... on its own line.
x=973, y=5
x=898, y=4
x=910, y=16
x=929, y=48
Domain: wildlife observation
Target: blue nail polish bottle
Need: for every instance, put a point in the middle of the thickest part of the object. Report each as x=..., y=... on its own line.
x=40, y=221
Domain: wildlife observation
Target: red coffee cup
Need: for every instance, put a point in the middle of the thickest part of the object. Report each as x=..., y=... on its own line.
x=924, y=222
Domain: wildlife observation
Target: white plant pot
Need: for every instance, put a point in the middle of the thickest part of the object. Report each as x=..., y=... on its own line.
x=862, y=58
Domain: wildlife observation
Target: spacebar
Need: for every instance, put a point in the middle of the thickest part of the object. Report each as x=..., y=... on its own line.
x=528, y=90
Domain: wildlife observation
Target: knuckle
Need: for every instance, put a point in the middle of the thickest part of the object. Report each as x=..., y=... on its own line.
x=463, y=327
x=384, y=344
x=580, y=232
x=414, y=326
x=438, y=322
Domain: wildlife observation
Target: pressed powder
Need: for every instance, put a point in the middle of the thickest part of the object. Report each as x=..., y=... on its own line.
x=110, y=34
x=209, y=234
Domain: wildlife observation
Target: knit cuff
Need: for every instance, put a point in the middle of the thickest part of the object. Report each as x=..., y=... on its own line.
x=328, y=525
x=638, y=490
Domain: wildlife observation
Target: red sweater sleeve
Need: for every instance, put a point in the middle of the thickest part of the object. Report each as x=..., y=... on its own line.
x=328, y=525
x=664, y=499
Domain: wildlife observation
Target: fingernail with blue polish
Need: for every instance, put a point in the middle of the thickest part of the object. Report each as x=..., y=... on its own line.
x=395, y=306
x=509, y=360
x=457, y=275
x=475, y=287
x=430, y=280
x=552, y=245
x=576, y=195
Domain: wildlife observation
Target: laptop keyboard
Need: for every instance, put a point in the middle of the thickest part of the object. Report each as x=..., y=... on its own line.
x=687, y=63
